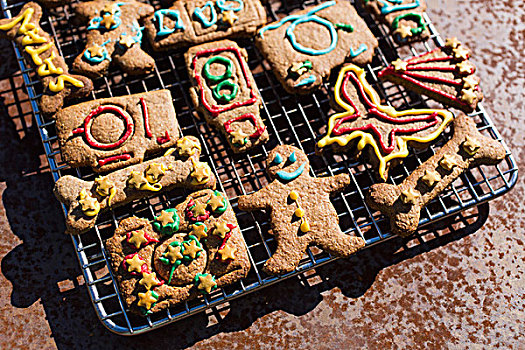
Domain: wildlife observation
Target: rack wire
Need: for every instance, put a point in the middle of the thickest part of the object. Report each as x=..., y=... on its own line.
x=296, y=120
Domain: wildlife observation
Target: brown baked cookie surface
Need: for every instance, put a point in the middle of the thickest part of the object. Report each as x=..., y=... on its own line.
x=225, y=92
x=304, y=47
x=50, y=4
x=179, y=167
x=444, y=74
x=404, y=17
x=402, y=204
x=112, y=133
x=190, y=22
x=300, y=210
x=114, y=35
x=188, y=250
x=384, y=132
x=40, y=51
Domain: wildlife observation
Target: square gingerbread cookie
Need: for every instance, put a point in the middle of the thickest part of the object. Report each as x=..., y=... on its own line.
x=187, y=251
x=304, y=47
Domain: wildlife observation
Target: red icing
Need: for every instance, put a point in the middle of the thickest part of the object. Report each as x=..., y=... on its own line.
x=189, y=213
x=86, y=130
x=258, y=130
x=125, y=156
x=146, y=117
x=143, y=268
x=215, y=109
x=146, y=235
x=227, y=236
x=431, y=119
x=163, y=139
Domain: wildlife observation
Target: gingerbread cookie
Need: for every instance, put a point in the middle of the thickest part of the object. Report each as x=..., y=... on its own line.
x=189, y=250
x=365, y=122
x=402, y=204
x=300, y=210
x=51, y=4
x=112, y=133
x=179, y=167
x=444, y=74
x=41, y=53
x=304, y=47
x=191, y=22
x=404, y=17
x=225, y=92
x=114, y=34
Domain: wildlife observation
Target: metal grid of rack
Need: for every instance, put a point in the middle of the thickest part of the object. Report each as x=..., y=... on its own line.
x=296, y=120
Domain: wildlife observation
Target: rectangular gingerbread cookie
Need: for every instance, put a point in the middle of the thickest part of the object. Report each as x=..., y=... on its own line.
x=190, y=22
x=187, y=251
x=225, y=92
x=112, y=133
x=40, y=51
x=304, y=47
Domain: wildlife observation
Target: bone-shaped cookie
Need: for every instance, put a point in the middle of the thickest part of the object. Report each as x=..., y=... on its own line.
x=41, y=53
x=402, y=204
x=86, y=199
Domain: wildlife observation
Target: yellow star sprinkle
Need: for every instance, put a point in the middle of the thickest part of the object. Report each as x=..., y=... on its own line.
x=468, y=96
x=136, y=180
x=126, y=40
x=470, y=82
x=221, y=229
x=149, y=280
x=201, y=172
x=452, y=42
x=199, y=231
x=90, y=206
x=403, y=31
x=216, y=201
x=460, y=53
x=199, y=209
x=154, y=172
x=108, y=21
x=238, y=137
x=229, y=17
x=135, y=264
x=110, y=8
x=146, y=300
x=399, y=65
x=104, y=185
x=173, y=254
x=187, y=146
x=409, y=196
x=465, y=67
x=191, y=249
x=431, y=177
x=96, y=51
x=165, y=218
x=471, y=145
x=298, y=68
x=227, y=253
x=448, y=162
x=206, y=283
x=138, y=238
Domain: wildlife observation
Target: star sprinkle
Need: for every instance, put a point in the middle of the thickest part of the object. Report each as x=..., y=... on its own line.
x=206, y=282
x=448, y=162
x=108, y=21
x=90, y=206
x=227, y=253
x=464, y=67
x=199, y=210
x=155, y=171
x=135, y=264
x=110, y=8
x=409, y=196
x=216, y=201
x=221, y=229
x=299, y=68
x=187, y=147
x=149, y=280
x=136, y=180
x=229, y=17
x=173, y=253
x=96, y=51
x=199, y=231
x=238, y=137
x=126, y=41
x=191, y=249
x=104, y=185
x=468, y=96
x=471, y=145
x=399, y=65
x=165, y=218
x=146, y=300
x=403, y=31
x=431, y=177
x=470, y=82
x=137, y=238
x=460, y=53
x=201, y=172
x=452, y=42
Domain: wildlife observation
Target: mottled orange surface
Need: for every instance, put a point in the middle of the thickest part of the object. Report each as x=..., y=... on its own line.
x=463, y=289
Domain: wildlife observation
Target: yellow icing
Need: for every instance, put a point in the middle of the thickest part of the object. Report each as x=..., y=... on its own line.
x=48, y=67
x=25, y=27
x=59, y=85
x=34, y=52
x=32, y=37
x=368, y=139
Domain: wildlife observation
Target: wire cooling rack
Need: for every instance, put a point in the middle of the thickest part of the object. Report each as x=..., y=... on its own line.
x=296, y=120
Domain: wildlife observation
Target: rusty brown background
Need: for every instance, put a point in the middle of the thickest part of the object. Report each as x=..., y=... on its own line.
x=463, y=289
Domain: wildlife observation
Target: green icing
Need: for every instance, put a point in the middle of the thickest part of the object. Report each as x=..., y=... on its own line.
x=170, y=228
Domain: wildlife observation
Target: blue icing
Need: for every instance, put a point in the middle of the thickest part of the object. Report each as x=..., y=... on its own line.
x=95, y=21
x=293, y=157
x=286, y=176
x=362, y=48
x=173, y=14
x=386, y=9
x=307, y=81
x=278, y=159
x=96, y=60
x=221, y=5
x=199, y=13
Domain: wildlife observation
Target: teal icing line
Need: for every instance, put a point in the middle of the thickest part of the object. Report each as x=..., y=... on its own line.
x=173, y=14
x=386, y=9
x=278, y=159
x=286, y=176
x=307, y=81
x=221, y=4
x=293, y=157
x=362, y=48
x=306, y=50
x=105, y=55
x=200, y=15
